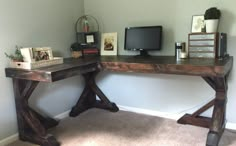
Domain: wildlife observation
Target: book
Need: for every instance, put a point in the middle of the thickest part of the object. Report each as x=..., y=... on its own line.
x=90, y=51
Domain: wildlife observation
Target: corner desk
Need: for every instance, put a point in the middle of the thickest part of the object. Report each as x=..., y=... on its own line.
x=32, y=126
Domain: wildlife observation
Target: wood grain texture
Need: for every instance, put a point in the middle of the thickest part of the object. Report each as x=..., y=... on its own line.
x=168, y=65
x=158, y=64
x=71, y=67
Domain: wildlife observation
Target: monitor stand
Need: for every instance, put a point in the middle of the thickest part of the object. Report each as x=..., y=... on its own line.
x=143, y=53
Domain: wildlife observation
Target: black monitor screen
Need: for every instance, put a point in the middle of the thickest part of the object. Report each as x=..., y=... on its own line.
x=143, y=38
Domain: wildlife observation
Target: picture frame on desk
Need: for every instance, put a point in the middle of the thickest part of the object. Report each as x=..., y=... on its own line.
x=27, y=54
x=198, y=24
x=90, y=38
x=44, y=53
x=109, y=44
x=36, y=54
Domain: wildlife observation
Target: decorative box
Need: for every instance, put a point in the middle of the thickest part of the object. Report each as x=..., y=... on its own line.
x=37, y=64
x=202, y=45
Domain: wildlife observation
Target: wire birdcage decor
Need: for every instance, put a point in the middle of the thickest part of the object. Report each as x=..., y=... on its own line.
x=87, y=23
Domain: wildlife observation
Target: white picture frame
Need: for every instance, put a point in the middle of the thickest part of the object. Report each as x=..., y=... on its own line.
x=198, y=24
x=27, y=54
x=42, y=53
x=89, y=39
x=109, y=44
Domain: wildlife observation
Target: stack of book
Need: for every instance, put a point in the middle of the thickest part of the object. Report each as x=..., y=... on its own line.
x=91, y=52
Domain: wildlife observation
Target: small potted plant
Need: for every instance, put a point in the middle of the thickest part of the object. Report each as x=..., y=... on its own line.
x=16, y=57
x=212, y=16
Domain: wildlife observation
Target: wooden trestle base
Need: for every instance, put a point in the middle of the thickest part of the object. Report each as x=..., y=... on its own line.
x=88, y=97
x=216, y=123
x=33, y=127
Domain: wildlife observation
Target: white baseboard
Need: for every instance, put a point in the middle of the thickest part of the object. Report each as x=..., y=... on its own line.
x=150, y=112
x=9, y=139
x=230, y=126
x=12, y=138
x=62, y=115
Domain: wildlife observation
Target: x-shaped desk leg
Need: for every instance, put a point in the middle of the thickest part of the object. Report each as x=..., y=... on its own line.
x=88, y=99
x=216, y=123
x=32, y=126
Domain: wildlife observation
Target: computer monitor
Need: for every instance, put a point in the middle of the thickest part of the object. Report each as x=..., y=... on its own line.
x=143, y=39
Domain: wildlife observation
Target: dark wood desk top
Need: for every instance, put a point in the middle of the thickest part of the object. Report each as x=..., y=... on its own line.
x=154, y=64
x=70, y=67
x=168, y=65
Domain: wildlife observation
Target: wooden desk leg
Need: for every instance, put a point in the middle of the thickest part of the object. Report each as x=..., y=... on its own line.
x=88, y=97
x=31, y=125
x=218, y=117
x=216, y=124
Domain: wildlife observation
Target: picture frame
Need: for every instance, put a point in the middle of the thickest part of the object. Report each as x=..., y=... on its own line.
x=27, y=54
x=109, y=44
x=44, y=53
x=198, y=24
x=90, y=38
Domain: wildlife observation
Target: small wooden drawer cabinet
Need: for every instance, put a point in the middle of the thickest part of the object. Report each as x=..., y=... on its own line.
x=202, y=45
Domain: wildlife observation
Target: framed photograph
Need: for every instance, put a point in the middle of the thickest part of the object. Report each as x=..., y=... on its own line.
x=90, y=38
x=109, y=44
x=44, y=53
x=198, y=24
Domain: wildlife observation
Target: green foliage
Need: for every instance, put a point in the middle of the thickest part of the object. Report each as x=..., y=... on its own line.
x=212, y=13
x=15, y=57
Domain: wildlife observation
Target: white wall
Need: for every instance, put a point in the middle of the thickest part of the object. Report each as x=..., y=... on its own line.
x=166, y=93
x=35, y=23
x=31, y=23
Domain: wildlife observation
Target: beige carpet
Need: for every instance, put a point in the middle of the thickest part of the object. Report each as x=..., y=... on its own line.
x=97, y=127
